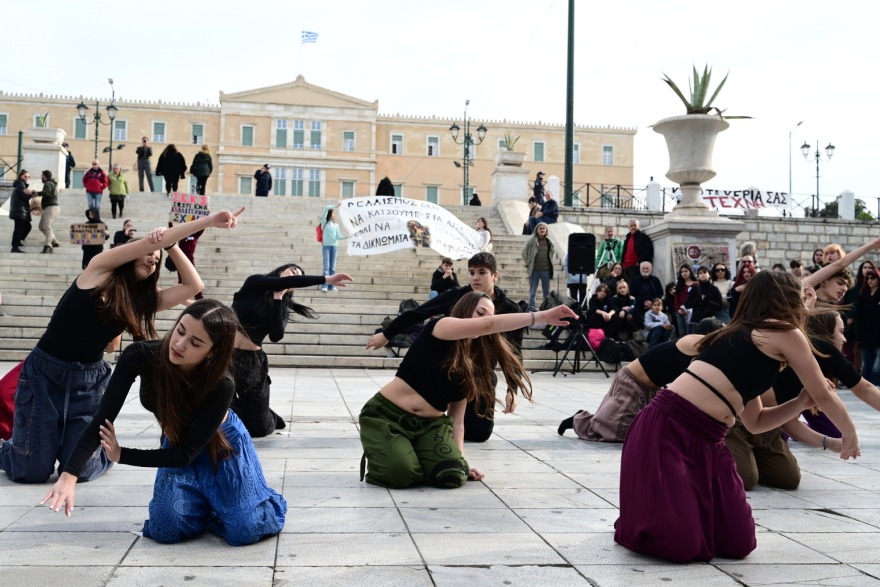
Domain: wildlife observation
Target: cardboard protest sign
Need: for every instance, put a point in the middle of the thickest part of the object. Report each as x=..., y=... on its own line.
x=749, y=199
x=87, y=234
x=188, y=207
x=381, y=224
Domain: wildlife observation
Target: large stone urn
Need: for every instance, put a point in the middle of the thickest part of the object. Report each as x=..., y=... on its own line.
x=512, y=158
x=690, y=140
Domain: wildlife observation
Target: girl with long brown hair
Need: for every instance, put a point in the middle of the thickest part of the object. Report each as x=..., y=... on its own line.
x=412, y=430
x=209, y=476
x=681, y=498
x=64, y=376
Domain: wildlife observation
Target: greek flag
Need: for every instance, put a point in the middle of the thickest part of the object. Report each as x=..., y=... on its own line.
x=308, y=37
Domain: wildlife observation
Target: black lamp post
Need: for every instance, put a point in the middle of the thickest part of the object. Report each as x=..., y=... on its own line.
x=468, y=142
x=829, y=152
x=83, y=112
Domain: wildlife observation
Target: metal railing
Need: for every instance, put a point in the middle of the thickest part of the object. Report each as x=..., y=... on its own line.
x=615, y=196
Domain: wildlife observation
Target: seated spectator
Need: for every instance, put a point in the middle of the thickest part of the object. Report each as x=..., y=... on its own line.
x=832, y=253
x=601, y=312
x=687, y=294
x=614, y=275
x=123, y=236
x=645, y=288
x=444, y=278
x=533, y=209
x=818, y=257
x=625, y=305
x=669, y=303
x=721, y=280
x=658, y=328
x=709, y=302
x=778, y=267
x=796, y=267
x=548, y=214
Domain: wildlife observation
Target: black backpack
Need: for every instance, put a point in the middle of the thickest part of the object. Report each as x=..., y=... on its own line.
x=406, y=306
x=614, y=351
x=557, y=299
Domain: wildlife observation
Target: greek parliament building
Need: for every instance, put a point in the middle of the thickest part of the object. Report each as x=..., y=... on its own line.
x=319, y=143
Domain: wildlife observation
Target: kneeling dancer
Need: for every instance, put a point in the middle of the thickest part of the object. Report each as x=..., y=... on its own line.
x=681, y=498
x=209, y=476
x=406, y=436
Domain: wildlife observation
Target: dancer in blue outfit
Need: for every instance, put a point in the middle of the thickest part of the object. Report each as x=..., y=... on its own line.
x=209, y=476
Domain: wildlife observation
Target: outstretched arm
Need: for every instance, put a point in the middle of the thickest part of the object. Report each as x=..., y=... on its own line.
x=832, y=268
x=458, y=328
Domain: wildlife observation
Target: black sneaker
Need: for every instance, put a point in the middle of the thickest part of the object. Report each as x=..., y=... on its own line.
x=55, y=245
x=16, y=250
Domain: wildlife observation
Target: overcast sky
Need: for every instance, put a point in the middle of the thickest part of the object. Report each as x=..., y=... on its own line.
x=789, y=61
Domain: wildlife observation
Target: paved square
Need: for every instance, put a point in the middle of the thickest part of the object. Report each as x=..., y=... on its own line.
x=543, y=516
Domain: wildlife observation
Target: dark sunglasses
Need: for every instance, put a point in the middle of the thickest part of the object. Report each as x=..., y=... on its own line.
x=720, y=270
x=749, y=262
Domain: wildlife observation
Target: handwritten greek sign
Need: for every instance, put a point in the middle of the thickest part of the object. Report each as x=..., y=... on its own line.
x=188, y=207
x=87, y=234
x=380, y=224
x=749, y=199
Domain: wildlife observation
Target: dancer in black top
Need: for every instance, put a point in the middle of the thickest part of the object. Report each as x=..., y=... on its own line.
x=64, y=376
x=209, y=476
x=263, y=306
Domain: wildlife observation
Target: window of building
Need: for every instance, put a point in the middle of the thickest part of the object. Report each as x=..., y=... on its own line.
x=247, y=136
x=501, y=146
x=296, y=182
x=281, y=134
x=607, y=155
x=245, y=185
x=158, y=132
x=280, y=183
x=466, y=196
x=433, y=147
x=79, y=128
x=76, y=179
x=120, y=130
x=40, y=121
x=314, y=183
x=398, y=190
x=576, y=154
x=198, y=134
x=299, y=131
x=538, y=147
x=347, y=189
x=348, y=140
x=315, y=142
x=397, y=144
x=432, y=193
x=3, y=122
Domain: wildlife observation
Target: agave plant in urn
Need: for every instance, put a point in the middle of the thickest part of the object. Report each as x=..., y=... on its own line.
x=690, y=139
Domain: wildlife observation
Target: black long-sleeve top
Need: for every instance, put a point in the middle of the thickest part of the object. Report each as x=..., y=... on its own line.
x=442, y=285
x=868, y=319
x=596, y=304
x=134, y=362
x=247, y=305
x=624, y=303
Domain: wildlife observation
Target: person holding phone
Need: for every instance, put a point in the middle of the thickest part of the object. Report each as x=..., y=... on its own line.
x=144, y=167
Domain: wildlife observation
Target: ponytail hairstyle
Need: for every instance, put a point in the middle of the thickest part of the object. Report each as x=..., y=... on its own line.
x=472, y=361
x=178, y=398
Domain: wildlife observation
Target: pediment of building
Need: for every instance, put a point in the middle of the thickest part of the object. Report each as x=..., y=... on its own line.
x=300, y=93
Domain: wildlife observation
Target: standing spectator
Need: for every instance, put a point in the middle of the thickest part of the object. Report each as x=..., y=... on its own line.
x=475, y=200
x=126, y=234
x=538, y=257
x=548, y=214
x=608, y=252
x=637, y=248
x=444, y=278
x=118, y=189
x=851, y=324
x=385, y=187
x=172, y=167
x=749, y=259
x=93, y=216
x=95, y=182
x=709, y=303
x=533, y=209
x=807, y=271
x=818, y=257
x=330, y=241
x=485, y=235
x=264, y=183
x=576, y=282
x=796, y=268
x=868, y=319
x=201, y=168
x=49, y=202
x=69, y=164
x=20, y=210
x=538, y=189
x=721, y=280
x=832, y=253
x=144, y=167
x=778, y=267
x=645, y=287
x=625, y=305
x=686, y=282
x=657, y=326
x=749, y=250
x=746, y=272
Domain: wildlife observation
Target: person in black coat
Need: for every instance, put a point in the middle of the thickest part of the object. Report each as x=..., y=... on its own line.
x=444, y=278
x=708, y=303
x=69, y=164
x=20, y=210
x=475, y=200
x=264, y=181
x=93, y=216
x=172, y=167
x=385, y=187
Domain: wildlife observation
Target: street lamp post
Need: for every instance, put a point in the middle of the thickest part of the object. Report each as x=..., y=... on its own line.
x=83, y=112
x=829, y=152
x=469, y=144
x=789, y=157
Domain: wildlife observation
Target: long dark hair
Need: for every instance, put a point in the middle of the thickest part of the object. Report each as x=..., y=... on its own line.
x=177, y=410
x=714, y=275
x=679, y=280
x=170, y=149
x=329, y=216
x=860, y=277
x=823, y=326
x=287, y=303
x=473, y=360
x=485, y=224
x=130, y=301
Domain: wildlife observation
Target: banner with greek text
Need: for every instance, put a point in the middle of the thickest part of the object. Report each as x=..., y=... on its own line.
x=381, y=224
x=749, y=199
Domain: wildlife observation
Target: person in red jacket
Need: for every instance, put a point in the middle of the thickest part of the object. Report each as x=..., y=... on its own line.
x=95, y=181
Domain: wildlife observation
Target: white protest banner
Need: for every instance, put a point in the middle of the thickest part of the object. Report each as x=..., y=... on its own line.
x=381, y=224
x=188, y=207
x=749, y=199
x=87, y=234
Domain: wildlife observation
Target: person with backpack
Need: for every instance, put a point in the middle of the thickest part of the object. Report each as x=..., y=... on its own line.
x=263, y=306
x=330, y=237
x=172, y=167
x=201, y=168
x=483, y=269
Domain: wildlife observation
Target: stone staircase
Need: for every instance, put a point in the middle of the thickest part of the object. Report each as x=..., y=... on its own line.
x=273, y=231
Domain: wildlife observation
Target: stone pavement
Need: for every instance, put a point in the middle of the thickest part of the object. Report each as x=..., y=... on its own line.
x=543, y=515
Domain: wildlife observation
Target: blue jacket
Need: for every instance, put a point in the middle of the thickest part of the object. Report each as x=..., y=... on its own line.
x=550, y=209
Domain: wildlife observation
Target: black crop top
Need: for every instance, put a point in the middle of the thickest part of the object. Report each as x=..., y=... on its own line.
x=664, y=363
x=75, y=333
x=750, y=371
x=133, y=363
x=787, y=386
x=255, y=321
x=422, y=368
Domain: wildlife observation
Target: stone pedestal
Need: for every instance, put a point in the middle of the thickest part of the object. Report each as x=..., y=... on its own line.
x=44, y=151
x=708, y=240
x=510, y=182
